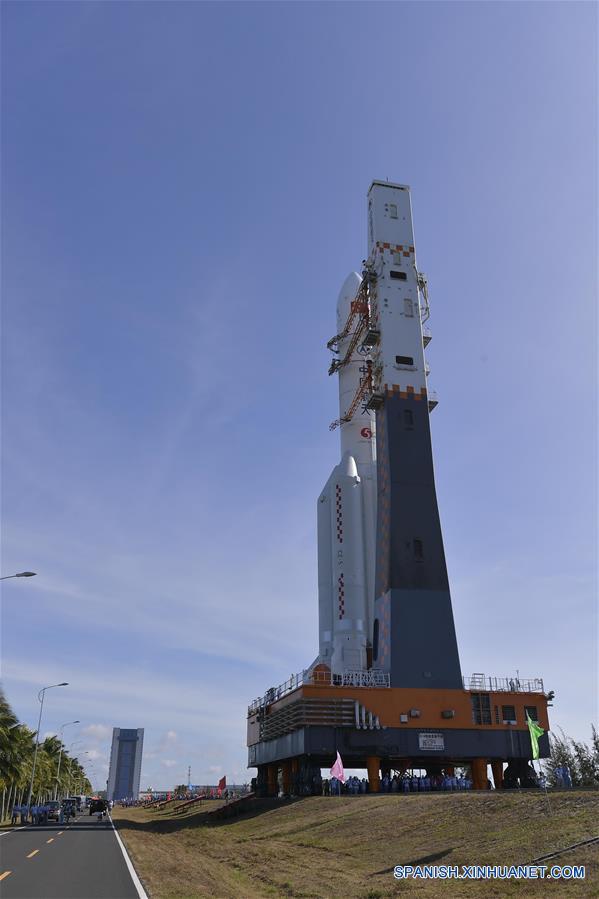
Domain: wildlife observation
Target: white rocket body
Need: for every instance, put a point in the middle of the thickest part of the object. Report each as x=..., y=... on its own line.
x=347, y=520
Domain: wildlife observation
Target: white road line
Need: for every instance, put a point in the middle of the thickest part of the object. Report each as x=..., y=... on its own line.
x=4, y=832
x=138, y=884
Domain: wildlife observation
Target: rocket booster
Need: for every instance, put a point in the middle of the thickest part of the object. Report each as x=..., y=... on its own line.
x=347, y=518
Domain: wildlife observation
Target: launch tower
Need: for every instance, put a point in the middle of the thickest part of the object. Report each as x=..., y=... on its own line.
x=386, y=689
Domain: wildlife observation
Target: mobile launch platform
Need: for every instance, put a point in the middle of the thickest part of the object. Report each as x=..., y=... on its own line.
x=386, y=689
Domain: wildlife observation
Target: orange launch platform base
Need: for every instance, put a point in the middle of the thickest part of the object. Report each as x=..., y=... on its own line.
x=292, y=736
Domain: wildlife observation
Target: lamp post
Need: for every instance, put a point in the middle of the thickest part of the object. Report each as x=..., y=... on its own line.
x=93, y=775
x=62, y=727
x=74, y=743
x=40, y=696
x=20, y=574
x=75, y=778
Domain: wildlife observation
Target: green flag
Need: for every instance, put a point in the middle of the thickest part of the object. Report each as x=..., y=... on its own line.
x=535, y=732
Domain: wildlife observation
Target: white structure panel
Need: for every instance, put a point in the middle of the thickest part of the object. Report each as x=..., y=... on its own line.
x=391, y=248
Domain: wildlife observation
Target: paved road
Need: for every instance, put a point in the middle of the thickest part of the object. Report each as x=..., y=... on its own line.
x=80, y=861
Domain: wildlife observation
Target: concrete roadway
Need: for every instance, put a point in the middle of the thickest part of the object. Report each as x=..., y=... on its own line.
x=80, y=861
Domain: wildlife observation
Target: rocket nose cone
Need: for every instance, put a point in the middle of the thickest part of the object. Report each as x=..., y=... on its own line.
x=348, y=466
x=347, y=293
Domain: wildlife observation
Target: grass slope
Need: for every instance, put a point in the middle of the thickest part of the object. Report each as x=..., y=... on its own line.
x=337, y=848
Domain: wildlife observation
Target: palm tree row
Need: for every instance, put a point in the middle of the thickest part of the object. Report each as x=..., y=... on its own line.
x=17, y=748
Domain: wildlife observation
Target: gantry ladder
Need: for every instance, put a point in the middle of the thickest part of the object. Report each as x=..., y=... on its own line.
x=364, y=388
x=360, y=316
x=358, y=309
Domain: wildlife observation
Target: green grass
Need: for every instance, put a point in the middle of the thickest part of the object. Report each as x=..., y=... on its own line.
x=336, y=848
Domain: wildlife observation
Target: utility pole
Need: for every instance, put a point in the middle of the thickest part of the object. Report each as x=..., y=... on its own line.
x=189, y=777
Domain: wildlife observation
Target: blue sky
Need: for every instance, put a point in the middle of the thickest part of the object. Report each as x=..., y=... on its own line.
x=183, y=194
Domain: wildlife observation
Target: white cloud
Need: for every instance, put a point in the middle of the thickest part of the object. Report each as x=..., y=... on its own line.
x=93, y=754
x=148, y=691
x=168, y=740
x=244, y=639
x=97, y=731
x=215, y=769
x=168, y=763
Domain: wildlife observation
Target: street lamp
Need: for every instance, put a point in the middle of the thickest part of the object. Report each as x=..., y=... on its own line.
x=76, y=777
x=62, y=727
x=40, y=696
x=74, y=743
x=20, y=574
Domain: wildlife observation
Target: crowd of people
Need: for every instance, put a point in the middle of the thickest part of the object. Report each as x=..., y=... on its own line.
x=39, y=813
x=424, y=783
x=406, y=783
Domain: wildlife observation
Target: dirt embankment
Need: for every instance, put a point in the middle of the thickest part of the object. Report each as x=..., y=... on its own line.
x=339, y=848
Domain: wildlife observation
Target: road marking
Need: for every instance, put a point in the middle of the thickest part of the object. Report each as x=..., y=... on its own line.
x=31, y=854
x=137, y=882
x=51, y=840
x=59, y=833
x=4, y=832
x=5, y=874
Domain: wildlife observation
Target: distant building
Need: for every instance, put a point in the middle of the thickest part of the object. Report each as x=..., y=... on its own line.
x=125, y=763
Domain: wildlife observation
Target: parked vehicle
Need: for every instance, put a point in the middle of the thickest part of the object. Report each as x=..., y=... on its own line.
x=53, y=807
x=97, y=805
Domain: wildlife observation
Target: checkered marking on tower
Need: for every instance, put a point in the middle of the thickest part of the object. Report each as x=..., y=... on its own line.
x=339, y=513
x=341, y=588
x=394, y=248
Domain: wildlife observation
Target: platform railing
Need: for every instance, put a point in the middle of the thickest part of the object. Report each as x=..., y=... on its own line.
x=369, y=678
x=274, y=693
x=503, y=684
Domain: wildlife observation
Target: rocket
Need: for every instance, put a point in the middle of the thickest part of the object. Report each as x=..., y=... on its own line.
x=347, y=510
x=384, y=600
x=386, y=688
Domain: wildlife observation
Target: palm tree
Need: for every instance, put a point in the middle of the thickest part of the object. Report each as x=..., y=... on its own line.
x=50, y=751
x=16, y=750
x=17, y=747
